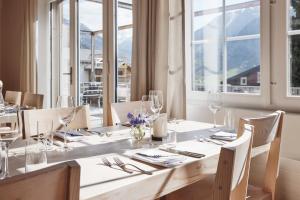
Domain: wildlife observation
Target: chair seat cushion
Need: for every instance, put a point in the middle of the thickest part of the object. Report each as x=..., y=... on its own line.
x=257, y=193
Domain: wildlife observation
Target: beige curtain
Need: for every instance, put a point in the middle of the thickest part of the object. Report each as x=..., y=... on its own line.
x=158, y=52
x=28, y=47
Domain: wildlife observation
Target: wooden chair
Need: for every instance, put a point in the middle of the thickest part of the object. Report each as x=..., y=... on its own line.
x=33, y=100
x=119, y=111
x=267, y=130
x=231, y=179
x=59, y=182
x=44, y=116
x=13, y=97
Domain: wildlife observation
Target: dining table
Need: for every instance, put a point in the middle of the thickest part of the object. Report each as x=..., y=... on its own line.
x=99, y=181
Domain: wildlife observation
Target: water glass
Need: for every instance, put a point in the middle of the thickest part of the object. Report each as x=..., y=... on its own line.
x=35, y=156
x=3, y=160
x=229, y=121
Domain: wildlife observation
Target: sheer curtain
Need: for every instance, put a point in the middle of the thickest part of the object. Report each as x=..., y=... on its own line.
x=28, y=47
x=158, y=52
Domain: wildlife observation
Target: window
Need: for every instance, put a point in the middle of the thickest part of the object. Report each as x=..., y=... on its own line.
x=124, y=50
x=226, y=46
x=90, y=72
x=87, y=43
x=294, y=48
x=243, y=81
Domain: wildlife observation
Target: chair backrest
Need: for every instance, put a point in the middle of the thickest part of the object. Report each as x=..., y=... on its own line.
x=231, y=180
x=33, y=100
x=267, y=130
x=13, y=97
x=44, y=116
x=119, y=111
x=60, y=182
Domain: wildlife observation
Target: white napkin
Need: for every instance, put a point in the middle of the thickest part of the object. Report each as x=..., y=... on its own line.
x=224, y=136
x=70, y=136
x=166, y=159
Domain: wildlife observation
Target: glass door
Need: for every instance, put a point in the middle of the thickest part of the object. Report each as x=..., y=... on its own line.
x=62, y=56
x=91, y=69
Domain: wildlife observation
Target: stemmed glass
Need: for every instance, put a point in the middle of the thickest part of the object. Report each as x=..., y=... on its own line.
x=45, y=133
x=65, y=120
x=7, y=137
x=156, y=101
x=214, y=100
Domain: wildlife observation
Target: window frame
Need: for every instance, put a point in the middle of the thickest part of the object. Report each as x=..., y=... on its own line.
x=280, y=57
x=236, y=99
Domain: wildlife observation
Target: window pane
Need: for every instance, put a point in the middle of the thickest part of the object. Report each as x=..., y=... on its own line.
x=243, y=66
x=207, y=66
x=91, y=58
x=65, y=49
x=240, y=59
x=124, y=50
x=207, y=20
x=243, y=18
x=294, y=13
x=295, y=65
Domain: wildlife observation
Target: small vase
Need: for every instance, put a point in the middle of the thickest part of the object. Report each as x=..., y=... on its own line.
x=138, y=132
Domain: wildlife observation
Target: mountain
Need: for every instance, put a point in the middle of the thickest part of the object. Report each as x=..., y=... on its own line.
x=241, y=55
x=124, y=47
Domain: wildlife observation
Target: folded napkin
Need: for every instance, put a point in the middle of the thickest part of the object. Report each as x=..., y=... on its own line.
x=11, y=109
x=70, y=135
x=157, y=157
x=224, y=136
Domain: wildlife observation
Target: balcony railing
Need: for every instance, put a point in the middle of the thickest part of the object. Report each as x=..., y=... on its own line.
x=233, y=88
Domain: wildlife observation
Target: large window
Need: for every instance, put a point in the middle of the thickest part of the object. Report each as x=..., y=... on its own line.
x=226, y=46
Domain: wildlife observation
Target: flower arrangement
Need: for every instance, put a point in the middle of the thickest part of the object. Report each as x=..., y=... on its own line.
x=136, y=121
x=137, y=124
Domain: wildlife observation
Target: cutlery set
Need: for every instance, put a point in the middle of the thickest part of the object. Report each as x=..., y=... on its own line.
x=122, y=165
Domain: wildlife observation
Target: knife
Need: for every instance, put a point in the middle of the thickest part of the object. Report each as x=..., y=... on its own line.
x=185, y=153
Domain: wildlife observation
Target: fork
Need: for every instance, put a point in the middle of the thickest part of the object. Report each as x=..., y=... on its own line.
x=122, y=165
x=106, y=162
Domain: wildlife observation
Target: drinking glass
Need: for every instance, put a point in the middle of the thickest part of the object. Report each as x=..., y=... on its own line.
x=66, y=119
x=3, y=160
x=35, y=155
x=7, y=137
x=173, y=134
x=156, y=98
x=229, y=121
x=45, y=133
x=145, y=99
x=214, y=100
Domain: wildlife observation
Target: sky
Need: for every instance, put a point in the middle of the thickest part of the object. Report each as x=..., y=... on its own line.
x=90, y=14
x=199, y=5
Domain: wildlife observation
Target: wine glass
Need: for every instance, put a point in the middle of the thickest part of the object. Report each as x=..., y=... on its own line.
x=156, y=99
x=45, y=133
x=7, y=137
x=66, y=119
x=214, y=100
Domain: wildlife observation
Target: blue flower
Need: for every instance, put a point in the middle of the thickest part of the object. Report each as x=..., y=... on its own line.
x=130, y=115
